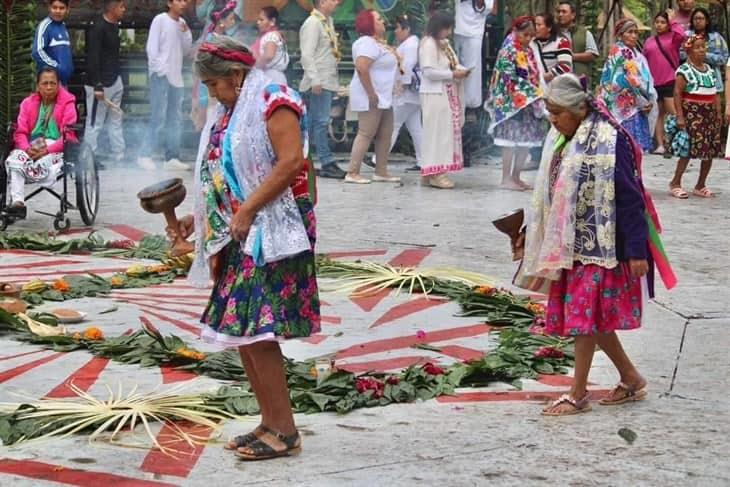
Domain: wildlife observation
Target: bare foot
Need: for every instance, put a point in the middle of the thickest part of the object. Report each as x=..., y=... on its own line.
x=511, y=185
x=523, y=185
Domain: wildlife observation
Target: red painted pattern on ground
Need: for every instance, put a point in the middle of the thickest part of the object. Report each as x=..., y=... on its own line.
x=72, y=476
x=384, y=365
x=162, y=298
x=315, y=339
x=464, y=354
x=24, y=252
x=8, y=357
x=45, y=263
x=331, y=320
x=356, y=253
x=486, y=396
x=388, y=344
x=155, y=307
x=407, y=258
x=178, y=323
x=106, y=270
x=128, y=232
x=171, y=375
x=404, y=309
x=6, y=375
x=85, y=377
x=185, y=456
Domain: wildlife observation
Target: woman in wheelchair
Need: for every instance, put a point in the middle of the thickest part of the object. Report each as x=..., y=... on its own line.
x=39, y=138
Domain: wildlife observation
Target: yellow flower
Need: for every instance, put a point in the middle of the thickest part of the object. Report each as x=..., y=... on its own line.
x=536, y=308
x=158, y=269
x=218, y=181
x=117, y=281
x=521, y=59
x=190, y=354
x=486, y=290
x=93, y=333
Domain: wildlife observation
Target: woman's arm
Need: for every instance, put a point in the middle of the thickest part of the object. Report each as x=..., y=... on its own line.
x=679, y=85
x=286, y=139
x=269, y=53
x=427, y=59
x=21, y=136
x=362, y=65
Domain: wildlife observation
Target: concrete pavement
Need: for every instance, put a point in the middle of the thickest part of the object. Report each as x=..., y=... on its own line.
x=682, y=430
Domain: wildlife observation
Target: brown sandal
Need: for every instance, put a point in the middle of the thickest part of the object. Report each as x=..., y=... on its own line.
x=579, y=405
x=631, y=394
x=260, y=450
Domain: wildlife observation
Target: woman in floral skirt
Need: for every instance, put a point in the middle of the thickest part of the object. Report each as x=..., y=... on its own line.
x=515, y=105
x=255, y=232
x=588, y=240
x=627, y=86
x=699, y=112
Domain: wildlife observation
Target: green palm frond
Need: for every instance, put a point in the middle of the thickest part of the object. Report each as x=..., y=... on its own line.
x=17, y=25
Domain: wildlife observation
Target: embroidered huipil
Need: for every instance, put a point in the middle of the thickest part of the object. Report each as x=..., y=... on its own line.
x=717, y=55
x=234, y=158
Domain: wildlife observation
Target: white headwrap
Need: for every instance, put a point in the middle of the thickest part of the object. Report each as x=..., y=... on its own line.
x=566, y=91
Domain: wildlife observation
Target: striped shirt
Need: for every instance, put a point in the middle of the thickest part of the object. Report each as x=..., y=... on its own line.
x=554, y=56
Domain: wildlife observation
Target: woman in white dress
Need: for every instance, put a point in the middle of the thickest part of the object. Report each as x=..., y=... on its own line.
x=371, y=96
x=441, y=94
x=270, y=47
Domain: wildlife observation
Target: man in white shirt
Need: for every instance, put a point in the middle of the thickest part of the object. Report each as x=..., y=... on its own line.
x=470, y=20
x=169, y=40
x=320, y=54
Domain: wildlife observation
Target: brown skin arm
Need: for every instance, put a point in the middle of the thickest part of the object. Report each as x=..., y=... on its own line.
x=283, y=127
x=679, y=85
x=584, y=57
x=727, y=95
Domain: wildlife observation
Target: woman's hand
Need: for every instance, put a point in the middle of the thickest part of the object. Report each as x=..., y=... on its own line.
x=727, y=113
x=647, y=108
x=461, y=73
x=373, y=100
x=241, y=224
x=38, y=153
x=681, y=123
x=638, y=267
x=185, y=228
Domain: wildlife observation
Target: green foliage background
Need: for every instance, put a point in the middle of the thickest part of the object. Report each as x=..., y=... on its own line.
x=17, y=23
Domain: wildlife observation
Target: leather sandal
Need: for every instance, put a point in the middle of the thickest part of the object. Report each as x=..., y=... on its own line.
x=244, y=440
x=579, y=406
x=260, y=450
x=630, y=394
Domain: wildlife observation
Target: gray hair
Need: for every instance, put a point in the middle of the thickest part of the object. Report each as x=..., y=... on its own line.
x=208, y=65
x=567, y=91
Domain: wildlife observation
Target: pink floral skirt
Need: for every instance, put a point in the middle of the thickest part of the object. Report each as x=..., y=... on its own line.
x=590, y=299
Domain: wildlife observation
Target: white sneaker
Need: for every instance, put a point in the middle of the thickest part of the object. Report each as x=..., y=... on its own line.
x=174, y=164
x=146, y=163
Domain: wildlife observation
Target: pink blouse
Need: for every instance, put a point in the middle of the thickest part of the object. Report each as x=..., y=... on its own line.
x=661, y=69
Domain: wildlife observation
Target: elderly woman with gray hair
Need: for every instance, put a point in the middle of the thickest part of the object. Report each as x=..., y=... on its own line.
x=255, y=231
x=587, y=240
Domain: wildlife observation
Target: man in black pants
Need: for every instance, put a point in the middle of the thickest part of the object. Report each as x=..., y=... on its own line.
x=104, y=87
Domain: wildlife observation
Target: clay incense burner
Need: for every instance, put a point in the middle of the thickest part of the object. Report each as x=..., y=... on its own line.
x=511, y=225
x=164, y=197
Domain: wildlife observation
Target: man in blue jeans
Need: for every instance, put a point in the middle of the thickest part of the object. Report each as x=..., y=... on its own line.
x=169, y=40
x=320, y=55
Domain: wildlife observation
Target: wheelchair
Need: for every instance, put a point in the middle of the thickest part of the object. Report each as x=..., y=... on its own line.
x=79, y=168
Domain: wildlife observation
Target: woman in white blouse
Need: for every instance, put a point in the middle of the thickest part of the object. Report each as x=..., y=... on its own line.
x=270, y=47
x=407, y=105
x=441, y=101
x=371, y=96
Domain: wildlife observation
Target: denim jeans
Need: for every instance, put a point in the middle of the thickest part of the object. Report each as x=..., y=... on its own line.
x=164, y=99
x=103, y=116
x=319, y=118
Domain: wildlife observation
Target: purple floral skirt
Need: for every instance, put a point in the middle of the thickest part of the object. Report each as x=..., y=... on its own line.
x=279, y=299
x=589, y=299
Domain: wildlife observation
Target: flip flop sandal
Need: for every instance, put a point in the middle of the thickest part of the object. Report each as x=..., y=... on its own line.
x=580, y=406
x=632, y=395
x=243, y=440
x=679, y=193
x=703, y=193
x=260, y=450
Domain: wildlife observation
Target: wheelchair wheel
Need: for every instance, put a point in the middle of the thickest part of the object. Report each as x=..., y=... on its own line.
x=87, y=184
